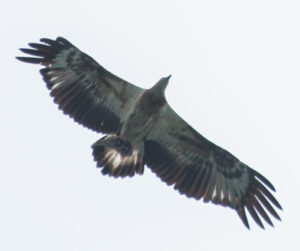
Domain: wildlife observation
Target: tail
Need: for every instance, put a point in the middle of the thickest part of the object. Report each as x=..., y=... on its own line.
x=117, y=157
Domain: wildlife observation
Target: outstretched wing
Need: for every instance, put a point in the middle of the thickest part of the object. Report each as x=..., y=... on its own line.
x=82, y=88
x=179, y=155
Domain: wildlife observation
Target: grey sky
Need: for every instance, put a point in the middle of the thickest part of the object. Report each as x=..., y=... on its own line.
x=235, y=78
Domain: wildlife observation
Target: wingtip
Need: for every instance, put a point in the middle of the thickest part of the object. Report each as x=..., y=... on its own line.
x=279, y=206
x=271, y=223
x=247, y=225
x=26, y=50
x=63, y=40
x=45, y=40
x=278, y=217
x=264, y=180
x=23, y=59
x=30, y=60
x=242, y=214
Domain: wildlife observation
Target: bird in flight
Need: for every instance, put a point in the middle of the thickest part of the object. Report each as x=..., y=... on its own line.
x=142, y=129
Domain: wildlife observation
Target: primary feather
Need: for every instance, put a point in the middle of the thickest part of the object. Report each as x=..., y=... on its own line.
x=143, y=129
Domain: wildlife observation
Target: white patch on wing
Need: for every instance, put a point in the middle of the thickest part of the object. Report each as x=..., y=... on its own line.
x=135, y=156
x=214, y=192
x=57, y=84
x=229, y=197
x=53, y=78
x=114, y=157
x=117, y=159
x=222, y=195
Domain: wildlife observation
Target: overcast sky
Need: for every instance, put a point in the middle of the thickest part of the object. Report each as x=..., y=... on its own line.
x=235, y=78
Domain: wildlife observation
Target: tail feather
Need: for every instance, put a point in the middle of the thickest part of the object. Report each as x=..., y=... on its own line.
x=117, y=158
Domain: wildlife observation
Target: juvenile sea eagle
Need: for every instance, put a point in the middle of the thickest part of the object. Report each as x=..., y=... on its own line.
x=142, y=129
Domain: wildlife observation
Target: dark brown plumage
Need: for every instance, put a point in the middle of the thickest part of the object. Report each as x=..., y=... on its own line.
x=143, y=129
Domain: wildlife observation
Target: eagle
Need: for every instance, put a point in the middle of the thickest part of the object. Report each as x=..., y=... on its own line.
x=141, y=129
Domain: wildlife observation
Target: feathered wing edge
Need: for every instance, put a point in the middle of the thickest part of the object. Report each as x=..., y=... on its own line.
x=198, y=182
x=83, y=89
x=199, y=169
x=117, y=157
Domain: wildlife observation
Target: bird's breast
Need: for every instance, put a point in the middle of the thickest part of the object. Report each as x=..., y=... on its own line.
x=142, y=116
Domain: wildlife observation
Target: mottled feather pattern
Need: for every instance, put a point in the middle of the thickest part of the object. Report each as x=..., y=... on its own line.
x=144, y=130
x=82, y=88
x=116, y=157
x=200, y=169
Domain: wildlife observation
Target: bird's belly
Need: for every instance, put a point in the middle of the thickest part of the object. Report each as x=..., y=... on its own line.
x=136, y=126
x=142, y=116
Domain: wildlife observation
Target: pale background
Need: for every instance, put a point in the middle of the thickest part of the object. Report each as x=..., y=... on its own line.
x=235, y=78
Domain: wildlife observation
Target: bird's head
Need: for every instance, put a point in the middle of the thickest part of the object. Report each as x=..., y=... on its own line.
x=160, y=86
